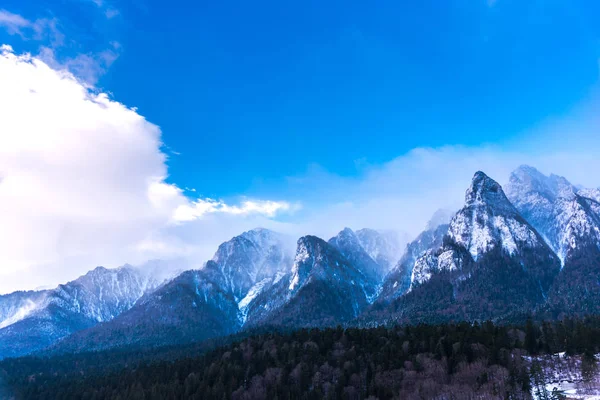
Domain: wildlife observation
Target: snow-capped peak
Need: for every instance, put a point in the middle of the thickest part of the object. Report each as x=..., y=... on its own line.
x=104, y=293
x=349, y=245
x=323, y=261
x=249, y=258
x=565, y=216
x=484, y=191
x=32, y=320
x=487, y=222
x=488, y=219
x=346, y=237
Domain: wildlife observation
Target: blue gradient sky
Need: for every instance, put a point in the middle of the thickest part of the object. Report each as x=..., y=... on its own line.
x=250, y=93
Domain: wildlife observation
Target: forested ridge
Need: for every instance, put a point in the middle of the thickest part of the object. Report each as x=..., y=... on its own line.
x=443, y=361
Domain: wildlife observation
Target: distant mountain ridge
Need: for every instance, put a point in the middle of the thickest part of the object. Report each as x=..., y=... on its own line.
x=232, y=292
x=34, y=320
x=532, y=249
x=569, y=219
x=197, y=304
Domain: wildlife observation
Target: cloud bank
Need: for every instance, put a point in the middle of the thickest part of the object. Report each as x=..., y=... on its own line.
x=201, y=207
x=83, y=183
x=403, y=193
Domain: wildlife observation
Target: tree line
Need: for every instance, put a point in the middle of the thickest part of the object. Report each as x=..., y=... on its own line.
x=446, y=361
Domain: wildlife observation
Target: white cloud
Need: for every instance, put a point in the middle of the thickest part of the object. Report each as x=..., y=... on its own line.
x=40, y=29
x=82, y=183
x=111, y=13
x=404, y=193
x=20, y=313
x=88, y=67
x=201, y=207
x=13, y=23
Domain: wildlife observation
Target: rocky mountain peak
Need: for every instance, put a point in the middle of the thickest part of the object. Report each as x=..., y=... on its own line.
x=350, y=246
x=346, y=241
x=311, y=249
x=249, y=258
x=562, y=187
x=526, y=181
x=484, y=191
x=489, y=220
x=320, y=260
x=263, y=237
x=565, y=216
x=530, y=177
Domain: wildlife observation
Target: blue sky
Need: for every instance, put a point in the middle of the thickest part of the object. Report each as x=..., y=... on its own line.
x=241, y=87
x=253, y=92
x=303, y=117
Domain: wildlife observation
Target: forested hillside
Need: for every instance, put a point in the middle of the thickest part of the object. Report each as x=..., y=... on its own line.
x=421, y=362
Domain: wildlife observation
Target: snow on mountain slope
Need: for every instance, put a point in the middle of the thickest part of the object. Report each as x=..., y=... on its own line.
x=250, y=258
x=250, y=263
x=316, y=259
x=568, y=218
x=191, y=307
x=45, y=317
x=254, y=291
x=348, y=243
x=593, y=194
x=385, y=247
x=323, y=288
x=18, y=305
x=398, y=281
x=198, y=304
x=491, y=264
x=487, y=222
x=432, y=261
x=102, y=293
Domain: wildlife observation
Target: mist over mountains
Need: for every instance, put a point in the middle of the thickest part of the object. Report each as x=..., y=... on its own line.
x=531, y=248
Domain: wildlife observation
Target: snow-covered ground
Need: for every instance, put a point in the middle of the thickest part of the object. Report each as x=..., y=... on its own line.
x=571, y=376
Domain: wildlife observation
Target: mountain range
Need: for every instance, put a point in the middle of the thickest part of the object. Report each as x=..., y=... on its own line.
x=30, y=321
x=529, y=249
